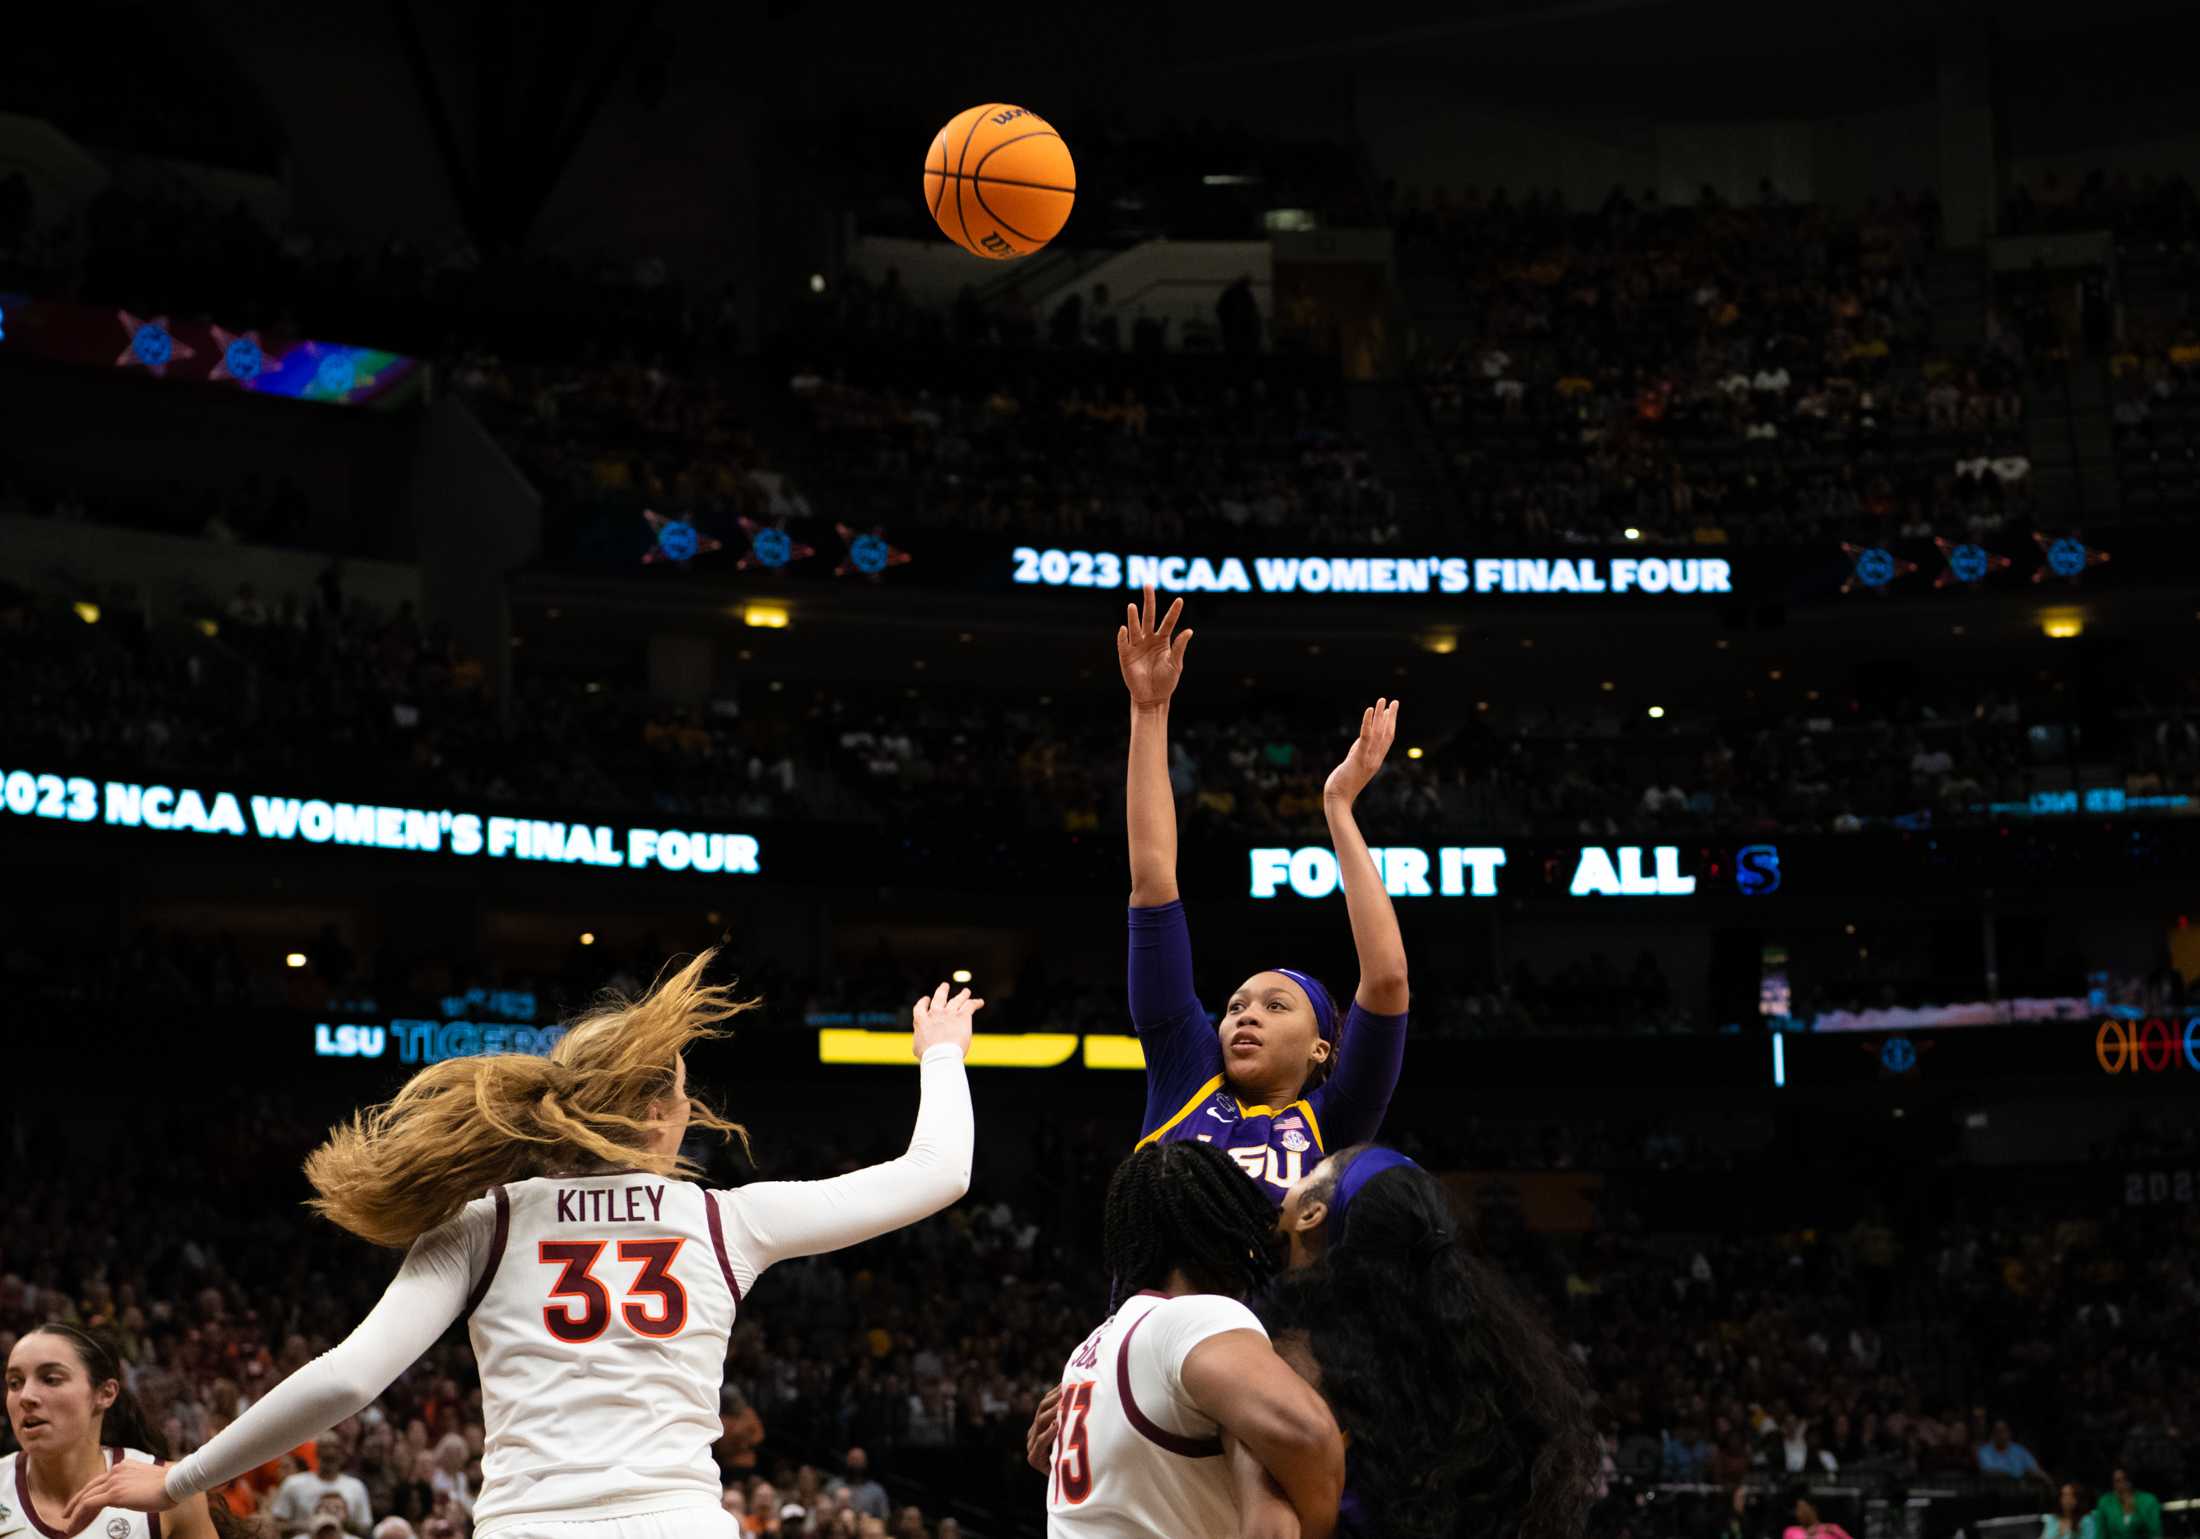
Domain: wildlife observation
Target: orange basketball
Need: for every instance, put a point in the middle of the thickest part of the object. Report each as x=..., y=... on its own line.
x=999, y=181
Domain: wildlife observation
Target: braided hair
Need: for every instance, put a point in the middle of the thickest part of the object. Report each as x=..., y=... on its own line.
x=1187, y=1206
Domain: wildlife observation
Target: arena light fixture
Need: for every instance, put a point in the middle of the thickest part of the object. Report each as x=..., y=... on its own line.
x=817, y=283
x=1413, y=753
x=2062, y=624
x=1442, y=643
x=207, y=627
x=1657, y=713
x=588, y=937
x=86, y=611
x=960, y=975
x=295, y=959
x=765, y=617
x=1632, y=533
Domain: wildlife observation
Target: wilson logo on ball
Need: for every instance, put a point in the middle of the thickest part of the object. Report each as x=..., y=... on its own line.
x=999, y=181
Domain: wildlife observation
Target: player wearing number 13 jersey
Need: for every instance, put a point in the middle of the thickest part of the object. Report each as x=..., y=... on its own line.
x=597, y=1285
x=1181, y=1369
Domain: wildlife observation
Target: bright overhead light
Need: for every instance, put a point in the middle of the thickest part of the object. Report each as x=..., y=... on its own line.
x=2062, y=624
x=960, y=975
x=1609, y=686
x=1657, y=713
x=1442, y=643
x=817, y=283
x=295, y=959
x=769, y=617
x=86, y=611
x=588, y=937
x=1413, y=753
x=1632, y=533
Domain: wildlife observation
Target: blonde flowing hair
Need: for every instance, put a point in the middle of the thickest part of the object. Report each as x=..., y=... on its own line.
x=460, y=1127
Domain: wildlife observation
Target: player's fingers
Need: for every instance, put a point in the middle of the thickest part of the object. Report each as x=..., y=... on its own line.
x=1176, y=647
x=1131, y=626
x=1168, y=621
x=939, y=997
x=1149, y=606
x=1051, y=1398
x=976, y=1004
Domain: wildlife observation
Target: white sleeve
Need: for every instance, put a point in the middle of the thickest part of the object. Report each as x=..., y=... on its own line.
x=1168, y=1334
x=427, y=1294
x=772, y=1221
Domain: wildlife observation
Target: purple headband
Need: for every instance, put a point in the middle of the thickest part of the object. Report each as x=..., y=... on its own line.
x=1365, y=1167
x=1325, y=1008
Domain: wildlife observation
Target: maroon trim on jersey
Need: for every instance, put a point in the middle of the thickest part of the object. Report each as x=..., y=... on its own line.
x=23, y=1496
x=30, y=1508
x=718, y=1242
x=496, y=1254
x=1173, y=1442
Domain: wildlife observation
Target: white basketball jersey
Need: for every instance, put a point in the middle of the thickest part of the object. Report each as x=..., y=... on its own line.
x=1133, y=1457
x=599, y=1317
x=20, y=1520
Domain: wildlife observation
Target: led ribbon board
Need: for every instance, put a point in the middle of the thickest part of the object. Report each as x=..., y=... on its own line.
x=77, y=801
x=1355, y=575
x=1478, y=871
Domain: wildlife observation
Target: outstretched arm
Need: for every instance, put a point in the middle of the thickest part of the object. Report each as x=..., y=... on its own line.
x=1152, y=663
x=1375, y=934
x=772, y=1221
x=428, y=1293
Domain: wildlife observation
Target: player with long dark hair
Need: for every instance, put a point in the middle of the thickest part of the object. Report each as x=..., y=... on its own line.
x=1466, y=1417
x=70, y=1404
x=545, y=1201
x=1177, y=1416
x=1281, y=1078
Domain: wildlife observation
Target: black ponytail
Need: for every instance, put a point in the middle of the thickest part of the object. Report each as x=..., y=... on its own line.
x=1467, y=1419
x=123, y=1424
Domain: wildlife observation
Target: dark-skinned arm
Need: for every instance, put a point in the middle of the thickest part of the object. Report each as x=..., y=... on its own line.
x=1236, y=1379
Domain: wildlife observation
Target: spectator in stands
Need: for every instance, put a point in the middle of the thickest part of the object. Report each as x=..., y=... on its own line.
x=1807, y=1524
x=299, y=1496
x=2126, y=1512
x=2000, y=1456
x=2071, y=1520
x=862, y=1493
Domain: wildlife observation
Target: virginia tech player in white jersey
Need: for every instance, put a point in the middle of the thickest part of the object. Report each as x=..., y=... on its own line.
x=1133, y=1455
x=20, y=1519
x=599, y=1305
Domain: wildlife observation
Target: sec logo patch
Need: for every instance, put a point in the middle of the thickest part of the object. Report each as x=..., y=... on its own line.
x=1296, y=1141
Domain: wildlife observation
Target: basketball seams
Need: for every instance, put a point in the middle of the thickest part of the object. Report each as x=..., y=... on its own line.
x=939, y=143
x=1006, y=181
x=978, y=190
x=978, y=171
x=962, y=215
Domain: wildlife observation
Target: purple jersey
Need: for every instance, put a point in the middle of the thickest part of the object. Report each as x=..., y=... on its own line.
x=1187, y=1095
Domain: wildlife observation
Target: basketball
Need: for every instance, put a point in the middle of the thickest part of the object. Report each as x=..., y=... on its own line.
x=999, y=180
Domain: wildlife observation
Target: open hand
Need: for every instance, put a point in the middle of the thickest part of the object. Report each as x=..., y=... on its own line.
x=1378, y=727
x=131, y=1486
x=1151, y=662
x=941, y=1019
